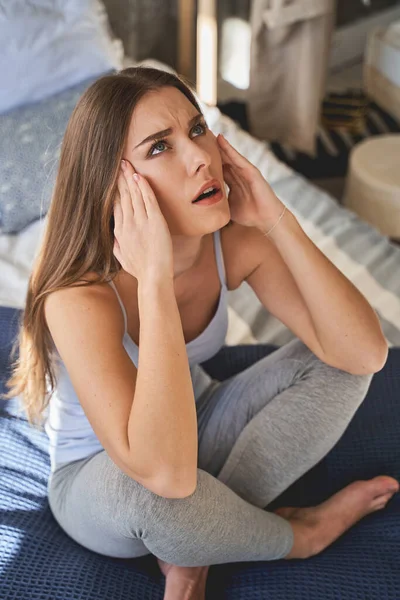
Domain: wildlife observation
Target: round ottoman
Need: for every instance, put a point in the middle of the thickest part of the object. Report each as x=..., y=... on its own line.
x=373, y=183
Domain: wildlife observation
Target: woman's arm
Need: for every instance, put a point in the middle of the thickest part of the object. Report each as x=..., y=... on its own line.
x=345, y=324
x=334, y=315
x=162, y=427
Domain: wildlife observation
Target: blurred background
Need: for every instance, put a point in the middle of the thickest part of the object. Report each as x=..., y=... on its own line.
x=306, y=76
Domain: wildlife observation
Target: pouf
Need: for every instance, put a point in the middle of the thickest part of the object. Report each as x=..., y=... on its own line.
x=373, y=183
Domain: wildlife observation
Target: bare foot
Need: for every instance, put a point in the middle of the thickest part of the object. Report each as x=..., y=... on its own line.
x=317, y=527
x=184, y=583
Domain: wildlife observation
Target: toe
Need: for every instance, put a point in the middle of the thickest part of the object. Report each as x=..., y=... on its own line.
x=384, y=484
x=382, y=500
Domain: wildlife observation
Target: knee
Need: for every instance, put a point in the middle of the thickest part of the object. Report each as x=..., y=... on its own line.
x=339, y=383
x=178, y=530
x=139, y=509
x=354, y=387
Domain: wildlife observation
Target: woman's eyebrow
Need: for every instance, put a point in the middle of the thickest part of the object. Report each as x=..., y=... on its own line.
x=165, y=132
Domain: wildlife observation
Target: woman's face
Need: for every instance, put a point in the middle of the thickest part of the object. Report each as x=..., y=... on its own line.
x=177, y=164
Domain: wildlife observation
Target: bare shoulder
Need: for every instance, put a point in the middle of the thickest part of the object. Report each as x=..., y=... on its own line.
x=243, y=249
x=87, y=326
x=98, y=299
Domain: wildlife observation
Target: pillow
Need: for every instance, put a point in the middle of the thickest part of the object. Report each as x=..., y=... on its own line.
x=50, y=45
x=30, y=143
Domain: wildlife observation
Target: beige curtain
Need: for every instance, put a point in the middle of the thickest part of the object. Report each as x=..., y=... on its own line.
x=289, y=63
x=147, y=28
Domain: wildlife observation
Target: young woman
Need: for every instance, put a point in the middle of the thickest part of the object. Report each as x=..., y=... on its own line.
x=143, y=242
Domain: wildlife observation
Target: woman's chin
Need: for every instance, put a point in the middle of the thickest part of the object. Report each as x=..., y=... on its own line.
x=223, y=215
x=228, y=218
x=227, y=213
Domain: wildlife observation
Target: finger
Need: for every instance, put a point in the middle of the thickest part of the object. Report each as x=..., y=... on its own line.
x=117, y=250
x=225, y=158
x=238, y=159
x=228, y=175
x=148, y=195
x=235, y=177
x=135, y=192
x=237, y=185
x=126, y=202
x=118, y=217
x=117, y=247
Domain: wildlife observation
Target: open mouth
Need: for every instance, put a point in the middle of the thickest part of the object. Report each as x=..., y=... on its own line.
x=207, y=194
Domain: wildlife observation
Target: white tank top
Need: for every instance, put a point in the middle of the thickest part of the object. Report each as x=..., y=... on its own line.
x=70, y=433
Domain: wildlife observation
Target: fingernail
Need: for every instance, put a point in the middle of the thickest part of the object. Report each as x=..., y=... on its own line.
x=123, y=164
x=136, y=176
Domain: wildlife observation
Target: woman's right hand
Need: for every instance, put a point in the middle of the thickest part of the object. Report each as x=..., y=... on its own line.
x=143, y=244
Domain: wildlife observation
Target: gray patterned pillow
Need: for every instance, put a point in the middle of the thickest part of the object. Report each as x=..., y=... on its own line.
x=30, y=141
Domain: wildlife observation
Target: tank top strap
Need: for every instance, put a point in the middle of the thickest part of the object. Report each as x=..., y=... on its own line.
x=122, y=306
x=219, y=257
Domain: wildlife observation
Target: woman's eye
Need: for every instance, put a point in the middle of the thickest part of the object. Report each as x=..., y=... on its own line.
x=164, y=143
x=203, y=127
x=154, y=146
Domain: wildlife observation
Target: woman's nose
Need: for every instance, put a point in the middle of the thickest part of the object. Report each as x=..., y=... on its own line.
x=196, y=158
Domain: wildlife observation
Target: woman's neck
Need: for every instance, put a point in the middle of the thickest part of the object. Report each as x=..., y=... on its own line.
x=188, y=254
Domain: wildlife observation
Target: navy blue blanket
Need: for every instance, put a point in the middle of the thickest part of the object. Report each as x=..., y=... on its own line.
x=39, y=561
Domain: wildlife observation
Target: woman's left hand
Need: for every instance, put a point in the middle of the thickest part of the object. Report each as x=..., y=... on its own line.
x=251, y=200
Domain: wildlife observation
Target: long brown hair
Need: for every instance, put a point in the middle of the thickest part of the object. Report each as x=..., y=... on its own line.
x=79, y=234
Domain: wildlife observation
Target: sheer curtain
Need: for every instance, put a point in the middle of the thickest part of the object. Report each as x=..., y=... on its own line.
x=148, y=28
x=288, y=67
x=290, y=42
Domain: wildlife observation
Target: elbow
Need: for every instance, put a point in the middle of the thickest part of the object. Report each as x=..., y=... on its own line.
x=166, y=482
x=169, y=486
x=185, y=485
x=372, y=362
x=184, y=492
x=381, y=358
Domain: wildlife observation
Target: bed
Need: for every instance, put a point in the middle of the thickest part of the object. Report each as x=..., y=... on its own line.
x=37, y=560
x=369, y=259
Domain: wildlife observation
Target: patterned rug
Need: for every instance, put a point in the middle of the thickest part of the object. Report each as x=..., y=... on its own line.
x=346, y=119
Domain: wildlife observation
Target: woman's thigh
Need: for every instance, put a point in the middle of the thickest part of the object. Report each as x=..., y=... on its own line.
x=234, y=402
x=108, y=512
x=292, y=391
x=87, y=497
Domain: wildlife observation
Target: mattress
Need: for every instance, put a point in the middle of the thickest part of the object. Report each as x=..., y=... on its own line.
x=39, y=561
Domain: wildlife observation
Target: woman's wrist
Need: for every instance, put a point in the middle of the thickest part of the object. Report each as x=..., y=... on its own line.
x=153, y=281
x=268, y=228
x=267, y=233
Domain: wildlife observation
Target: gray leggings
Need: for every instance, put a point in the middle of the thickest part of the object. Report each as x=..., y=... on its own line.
x=258, y=432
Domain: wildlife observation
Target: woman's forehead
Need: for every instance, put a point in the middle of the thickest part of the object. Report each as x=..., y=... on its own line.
x=160, y=110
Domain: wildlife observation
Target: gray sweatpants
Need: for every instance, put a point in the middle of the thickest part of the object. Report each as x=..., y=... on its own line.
x=258, y=432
